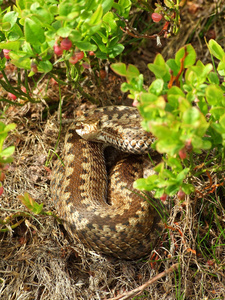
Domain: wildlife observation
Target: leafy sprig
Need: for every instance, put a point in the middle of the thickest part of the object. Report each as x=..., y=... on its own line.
x=184, y=108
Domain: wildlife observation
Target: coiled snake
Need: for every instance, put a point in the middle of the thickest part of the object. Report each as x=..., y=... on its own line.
x=117, y=221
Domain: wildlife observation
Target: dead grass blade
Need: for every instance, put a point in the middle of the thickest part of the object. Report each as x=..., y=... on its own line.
x=140, y=289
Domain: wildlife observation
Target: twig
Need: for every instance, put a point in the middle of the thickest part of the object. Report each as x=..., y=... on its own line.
x=176, y=78
x=141, y=288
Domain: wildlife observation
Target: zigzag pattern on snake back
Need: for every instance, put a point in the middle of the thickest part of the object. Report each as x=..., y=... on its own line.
x=116, y=221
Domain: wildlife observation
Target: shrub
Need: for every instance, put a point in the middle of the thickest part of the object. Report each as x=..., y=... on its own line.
x=184, y=108
x=32, y=28
x=36, y=35
x=6, y=153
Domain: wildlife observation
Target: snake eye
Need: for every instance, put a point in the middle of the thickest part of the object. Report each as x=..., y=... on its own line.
x=81, y=125
x=99, y=123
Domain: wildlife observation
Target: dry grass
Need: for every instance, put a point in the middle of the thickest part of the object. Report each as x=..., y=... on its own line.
x=38, y=260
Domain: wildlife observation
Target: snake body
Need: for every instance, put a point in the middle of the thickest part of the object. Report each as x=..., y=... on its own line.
x=116, y=221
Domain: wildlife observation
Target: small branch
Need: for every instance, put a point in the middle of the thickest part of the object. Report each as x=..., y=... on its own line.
x=12, y=226
x=141, y=288
x=89, y=97
x=141, y=36
x=176, y=78
x=133, y=32
x=11, y=102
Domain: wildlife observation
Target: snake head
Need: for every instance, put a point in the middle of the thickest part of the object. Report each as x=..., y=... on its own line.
x=88, y=130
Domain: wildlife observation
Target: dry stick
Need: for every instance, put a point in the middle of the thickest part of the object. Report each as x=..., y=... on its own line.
x=141, y=288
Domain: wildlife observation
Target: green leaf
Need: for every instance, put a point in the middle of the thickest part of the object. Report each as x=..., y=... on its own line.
x=216, y=49
x=64, y=31
x=101, y=46
x=189, y=59
x=6, y=160
x=187, y=188
x=191, y=116
x=217, y=112
x=201, y=71
x=207, y=69
x=218, y=128
x=2, y=63
x=56, y=25
x=75, y=36
x=34, y=33
x=182, y=175
x=156, y=87
x=132, y=72
x=10, y=45
x=197, y=142
x=101, y=53
x=41, y=13
x=191, y=78
x=125, y=87
x=221, y=68
x=206, y=145
x=20, y=59
x=116, y=50
x=53, y=9
x=119, y=68
x=45, y=66
x=65, y=8
x=173, y=96
x=86, y=46
x=169, y=145
x=202, y=104
x=171, y=63
x=7, y=152
x=222, y=121
x=90, y=5
x=184, y=104
x=2, y=127
x=172, y=189
x=162, y=132
x=159, y=168
x=214, y=95
x=140, y=184
x=15, y=33
x=169, y=3
x=160, y=68
x=31, y=204
x=107, y=5
x=103, y=36
x=97, y=16
x=22, y=4
x=11, y=18
x=148, y=98
x=146, y=184
x=123, y=7
x=9, y=127
x=175, y=164
x=26, y=48
x=213, y=77
x=159, y=60
x=6, y=26
x=109, y=20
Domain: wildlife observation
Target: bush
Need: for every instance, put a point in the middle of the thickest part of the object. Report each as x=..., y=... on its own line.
x=184, y=108
x=37, y=35
x=6, y=153
x=32, y=29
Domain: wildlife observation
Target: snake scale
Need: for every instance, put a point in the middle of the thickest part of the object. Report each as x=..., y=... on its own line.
x=101, y=207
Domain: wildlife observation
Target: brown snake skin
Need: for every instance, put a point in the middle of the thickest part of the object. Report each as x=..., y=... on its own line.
x=115, y=221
